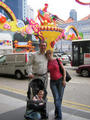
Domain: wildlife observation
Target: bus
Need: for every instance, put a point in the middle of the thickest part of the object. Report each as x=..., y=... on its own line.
x=80, y=52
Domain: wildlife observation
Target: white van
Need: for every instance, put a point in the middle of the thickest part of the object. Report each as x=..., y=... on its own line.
x=14, y=64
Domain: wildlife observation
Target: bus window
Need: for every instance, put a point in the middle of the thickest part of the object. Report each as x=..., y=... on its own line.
x=81, y=56
x=75, y=55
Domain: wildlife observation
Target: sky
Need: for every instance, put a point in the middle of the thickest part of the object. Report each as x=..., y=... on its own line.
x=61, y=8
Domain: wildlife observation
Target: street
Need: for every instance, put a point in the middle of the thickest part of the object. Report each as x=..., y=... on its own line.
x=76, y=101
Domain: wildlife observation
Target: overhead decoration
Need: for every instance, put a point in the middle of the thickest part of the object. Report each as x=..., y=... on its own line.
x=16, y=25
x=71, y=33
x=2, y=18
x=50, y=31
x=7, y=26
x=83, y=2
x=20, y=23
x=46, y=17
x=48, y=27
x=47, y=30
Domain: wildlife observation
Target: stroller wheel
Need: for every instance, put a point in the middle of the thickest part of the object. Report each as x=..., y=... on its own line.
x=45, y=117
x=28, y=119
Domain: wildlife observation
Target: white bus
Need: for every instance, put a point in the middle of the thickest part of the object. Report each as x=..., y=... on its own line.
x=80, y=52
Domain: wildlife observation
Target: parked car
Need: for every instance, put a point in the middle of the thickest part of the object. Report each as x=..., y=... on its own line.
x=70, y=57
x=65, y=59
x=55, y=55
x=14, y=64
x=84, y=70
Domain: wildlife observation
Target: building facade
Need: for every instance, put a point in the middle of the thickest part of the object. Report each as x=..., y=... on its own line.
x=73, y=14
x=30, y=12
x=82, y=26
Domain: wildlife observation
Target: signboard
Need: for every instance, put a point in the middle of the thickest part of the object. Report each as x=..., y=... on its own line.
x=86, y=58
x=5, y=41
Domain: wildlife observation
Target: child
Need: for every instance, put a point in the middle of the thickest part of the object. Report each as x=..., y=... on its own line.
x=39, y=97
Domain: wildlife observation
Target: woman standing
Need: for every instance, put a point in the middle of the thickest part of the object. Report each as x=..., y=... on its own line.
x=57, y=82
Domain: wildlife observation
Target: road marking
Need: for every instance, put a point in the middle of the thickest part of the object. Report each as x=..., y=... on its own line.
x=70, y=103
x=76, y=103
x=74, y=82
x=50, y=99
x=81, y=82
x=76, y=106
x=22, y=92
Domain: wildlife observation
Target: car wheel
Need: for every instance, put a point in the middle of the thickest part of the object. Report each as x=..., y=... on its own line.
x=85, y=73
x=64, y=63
x=18, y=75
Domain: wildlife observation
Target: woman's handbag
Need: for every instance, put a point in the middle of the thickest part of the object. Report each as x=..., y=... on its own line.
x=68, y=77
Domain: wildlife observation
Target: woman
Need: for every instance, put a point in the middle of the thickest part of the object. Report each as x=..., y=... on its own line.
x=57, y=82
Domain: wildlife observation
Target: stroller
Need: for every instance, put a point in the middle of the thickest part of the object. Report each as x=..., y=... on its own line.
x=35, y=111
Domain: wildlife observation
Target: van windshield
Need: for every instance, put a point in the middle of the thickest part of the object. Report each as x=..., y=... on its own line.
x=2, y=58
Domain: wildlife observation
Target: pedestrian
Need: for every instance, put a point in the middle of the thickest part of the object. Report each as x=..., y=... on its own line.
x=38, y=65
x=57, y=82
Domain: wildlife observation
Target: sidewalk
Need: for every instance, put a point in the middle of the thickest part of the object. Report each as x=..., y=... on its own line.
x=68, y=66
x=13, y=108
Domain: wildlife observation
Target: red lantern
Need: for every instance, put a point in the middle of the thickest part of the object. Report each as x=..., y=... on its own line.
x=52, y=44
x=2, y=19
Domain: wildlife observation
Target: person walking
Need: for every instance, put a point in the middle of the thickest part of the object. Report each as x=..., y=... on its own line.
x=57, y=82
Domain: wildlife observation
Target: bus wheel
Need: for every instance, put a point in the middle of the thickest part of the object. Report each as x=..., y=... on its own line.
x=85, y=73
x=18, y=75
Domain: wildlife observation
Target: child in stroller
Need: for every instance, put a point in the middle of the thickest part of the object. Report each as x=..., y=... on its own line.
x=36, y=102
x=39, y=97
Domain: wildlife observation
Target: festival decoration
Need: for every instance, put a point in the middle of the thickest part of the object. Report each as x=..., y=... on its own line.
x=71, y=33
x=5, y=43
x=51, y=32
x=35, y=26
x=83, y=3
x=46, y=17
x=27, y=47
x=2, y=18
x=52, y=44
x=7, y=26
x=16, y=25
x=29, y=30
x=47, y=30
x=81, y=35
x=20, y=23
